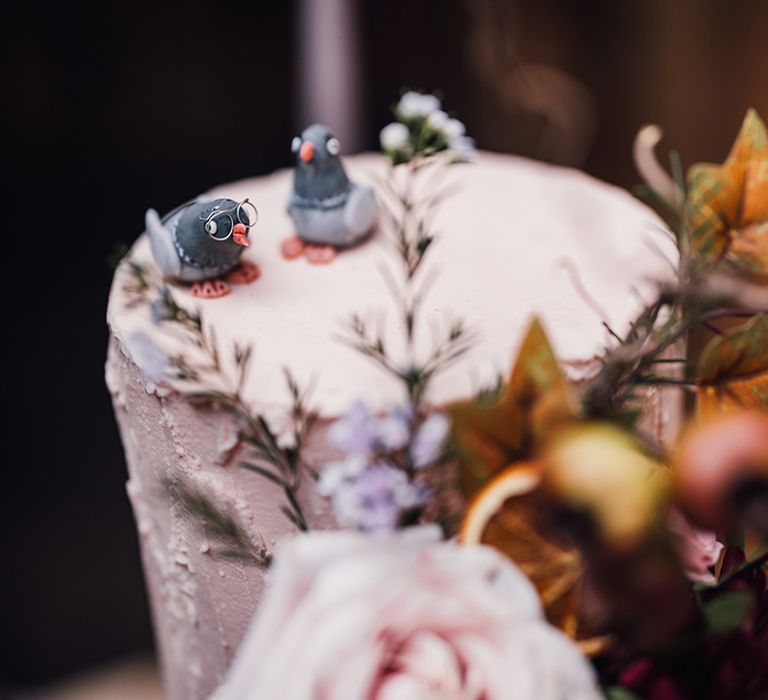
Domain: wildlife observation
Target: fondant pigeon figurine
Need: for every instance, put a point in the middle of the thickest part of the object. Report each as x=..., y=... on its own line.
x=202, y=240
x=328, y=210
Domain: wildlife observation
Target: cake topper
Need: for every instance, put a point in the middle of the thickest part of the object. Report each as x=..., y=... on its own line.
x=328, y=210
x=201, y=241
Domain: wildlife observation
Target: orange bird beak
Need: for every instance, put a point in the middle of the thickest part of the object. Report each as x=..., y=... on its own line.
x=240, y=235
x=307, y=151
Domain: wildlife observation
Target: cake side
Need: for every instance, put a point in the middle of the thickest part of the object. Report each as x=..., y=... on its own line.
x=202, y=596
x=202, y=602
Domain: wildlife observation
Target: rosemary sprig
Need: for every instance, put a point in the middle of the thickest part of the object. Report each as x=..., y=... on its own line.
x=138, y=284
x=415, y=374
x=283, y=465
x=233, y=542
x=408, y=219
x=411, y=231
x=688, y=304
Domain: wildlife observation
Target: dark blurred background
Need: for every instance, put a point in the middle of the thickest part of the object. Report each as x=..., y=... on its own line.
x=111, y=107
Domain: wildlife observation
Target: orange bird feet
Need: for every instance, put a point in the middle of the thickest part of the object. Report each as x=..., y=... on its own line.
x=320, y=254
x=244, y=273
x=294, y=247
x=210, y=289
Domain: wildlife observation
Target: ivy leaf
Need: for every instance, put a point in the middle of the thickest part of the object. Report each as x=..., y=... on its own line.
x=733, y=369
x=726, y=210
x=728, y=611
x=490, y=436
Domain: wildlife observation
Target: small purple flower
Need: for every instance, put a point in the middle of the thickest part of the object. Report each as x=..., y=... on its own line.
x=375, y=499
x=371, y=486
x=427, y=444
x=159, y=310
x=353, y=432
x=392, y=431
x=149, y=358
x=358, y=431
x=336, y=473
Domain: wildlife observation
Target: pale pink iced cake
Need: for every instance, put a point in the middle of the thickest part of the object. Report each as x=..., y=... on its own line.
x=510, y=242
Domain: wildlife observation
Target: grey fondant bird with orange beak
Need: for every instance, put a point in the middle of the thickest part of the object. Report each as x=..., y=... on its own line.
x=201, y=242
x=328, y=211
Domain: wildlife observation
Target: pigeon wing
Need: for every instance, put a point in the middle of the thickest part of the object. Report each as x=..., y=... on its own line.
x=161, y=243
x=360, y=212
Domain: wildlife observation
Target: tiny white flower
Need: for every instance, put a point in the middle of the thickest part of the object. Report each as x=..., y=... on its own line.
x=462, y=149
x=453, y=129
x=437, y=119
x=429, y=103
x=394, y=137
x=416, y=104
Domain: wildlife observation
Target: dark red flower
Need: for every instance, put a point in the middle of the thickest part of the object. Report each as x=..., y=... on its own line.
x=727, y=666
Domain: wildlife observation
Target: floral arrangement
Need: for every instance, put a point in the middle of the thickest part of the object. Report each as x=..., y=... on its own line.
x=584, y=559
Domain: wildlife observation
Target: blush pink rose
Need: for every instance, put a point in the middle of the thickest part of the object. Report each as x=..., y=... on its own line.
x=402, y=617
x=698, y=549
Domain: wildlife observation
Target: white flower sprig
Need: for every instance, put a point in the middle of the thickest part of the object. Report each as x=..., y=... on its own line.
x=422, y=129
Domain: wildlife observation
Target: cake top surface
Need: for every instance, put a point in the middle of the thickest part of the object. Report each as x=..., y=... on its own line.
x=514, y=239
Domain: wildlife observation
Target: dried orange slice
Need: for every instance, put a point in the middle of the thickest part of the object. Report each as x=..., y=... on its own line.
x=503, y=514
x=489, y=501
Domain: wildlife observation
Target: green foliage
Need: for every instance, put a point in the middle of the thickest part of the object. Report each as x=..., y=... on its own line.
x=733, y=368
x=728, y=611
x=616, y=692
x=231, y=541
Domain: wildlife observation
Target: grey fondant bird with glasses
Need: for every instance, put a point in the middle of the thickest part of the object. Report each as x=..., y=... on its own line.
x=201, y=242
x=328, y=211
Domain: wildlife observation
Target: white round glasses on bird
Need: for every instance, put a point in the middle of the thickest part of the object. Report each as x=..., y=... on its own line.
x=221, y=223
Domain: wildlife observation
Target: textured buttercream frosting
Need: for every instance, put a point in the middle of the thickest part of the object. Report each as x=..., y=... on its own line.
x=505, y=242
x=508, y=242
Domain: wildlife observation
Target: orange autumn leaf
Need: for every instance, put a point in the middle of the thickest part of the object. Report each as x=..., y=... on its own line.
x=733, y=369
x=726, y=211
x=490, y=436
